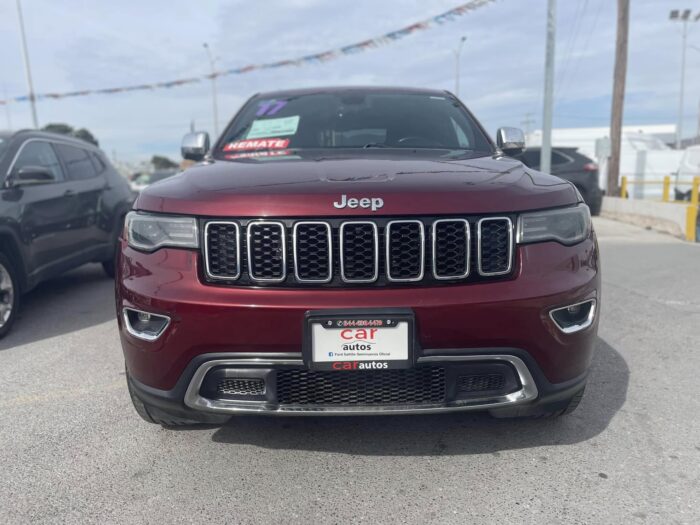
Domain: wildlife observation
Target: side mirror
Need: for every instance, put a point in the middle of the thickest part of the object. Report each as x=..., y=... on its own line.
x=511, y=141
x=28, y=175
x=195, y=146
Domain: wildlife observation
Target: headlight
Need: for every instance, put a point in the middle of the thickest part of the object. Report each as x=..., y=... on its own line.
x=150, y=232
x=564, y=225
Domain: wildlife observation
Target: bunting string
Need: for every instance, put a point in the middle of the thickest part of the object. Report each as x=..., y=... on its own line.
x=317, y=58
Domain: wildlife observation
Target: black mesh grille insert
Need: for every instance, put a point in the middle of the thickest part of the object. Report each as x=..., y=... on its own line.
x=240, y=387
x=344, y=252
x=222, y=247
x=405, y=250
x=359, y=251
x=313, y=251
x=372, y=387
x=495, y=246
x=481, y=383
x=451, y=248
x=266, y=250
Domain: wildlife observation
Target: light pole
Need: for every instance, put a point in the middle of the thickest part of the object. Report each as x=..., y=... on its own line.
x=212, y=65
x=27, y=69
x=457, y=52
x=684, y=17
x=546, y=151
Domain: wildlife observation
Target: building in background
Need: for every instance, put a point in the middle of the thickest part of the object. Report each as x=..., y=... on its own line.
x=645, y=152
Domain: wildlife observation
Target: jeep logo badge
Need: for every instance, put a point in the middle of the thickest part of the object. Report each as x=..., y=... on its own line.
x=374, y=203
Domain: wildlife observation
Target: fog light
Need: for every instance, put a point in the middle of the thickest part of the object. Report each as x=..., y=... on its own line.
x=145, y=325
x=575, y=317
x=573, y=310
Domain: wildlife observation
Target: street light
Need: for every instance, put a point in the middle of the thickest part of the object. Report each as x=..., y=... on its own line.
x=684, y=16
x=457, y=52
x=27, y=69
x=212, y=65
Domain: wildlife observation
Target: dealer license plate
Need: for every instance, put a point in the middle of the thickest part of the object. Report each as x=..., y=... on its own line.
x=359, y=342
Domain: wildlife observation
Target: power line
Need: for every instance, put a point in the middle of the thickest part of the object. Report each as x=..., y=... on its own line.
x=577, y=60
x=316, y=58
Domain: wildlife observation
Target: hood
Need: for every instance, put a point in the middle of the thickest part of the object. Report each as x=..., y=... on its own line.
x=295, y=186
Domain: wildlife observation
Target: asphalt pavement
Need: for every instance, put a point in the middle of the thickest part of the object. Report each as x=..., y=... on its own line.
x=72, y=450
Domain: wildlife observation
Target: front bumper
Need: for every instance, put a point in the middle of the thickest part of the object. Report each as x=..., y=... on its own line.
x=506, y=320
x=187, y=399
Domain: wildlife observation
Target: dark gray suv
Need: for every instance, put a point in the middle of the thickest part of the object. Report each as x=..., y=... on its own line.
x=62, y=205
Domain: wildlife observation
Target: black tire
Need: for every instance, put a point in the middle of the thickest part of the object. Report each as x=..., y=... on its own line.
x=572, y=404
x=595, y=206
x=548, y=411
x=160, y=417
x=9, y=295
x=109, y=267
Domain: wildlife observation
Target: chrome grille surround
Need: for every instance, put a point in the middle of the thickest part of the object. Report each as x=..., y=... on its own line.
x=329, y=256
x=388, y=245
x=479, y=235
x=468, y=249
x=343, y=275
x=337, y=252
x=251, y=252
x=208, y=256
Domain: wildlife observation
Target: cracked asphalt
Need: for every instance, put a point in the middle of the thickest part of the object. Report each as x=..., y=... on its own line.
x=72, y=450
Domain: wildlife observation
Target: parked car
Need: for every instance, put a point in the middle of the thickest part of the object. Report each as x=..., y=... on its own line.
x=62, y=206
x=356, y=251
x=573, y=166
x=689, y=169
x=139, y=181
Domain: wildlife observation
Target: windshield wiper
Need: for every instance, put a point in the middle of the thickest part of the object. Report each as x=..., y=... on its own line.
x=375, y=145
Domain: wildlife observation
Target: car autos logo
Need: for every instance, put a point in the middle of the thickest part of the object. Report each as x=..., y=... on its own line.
x=374, y=203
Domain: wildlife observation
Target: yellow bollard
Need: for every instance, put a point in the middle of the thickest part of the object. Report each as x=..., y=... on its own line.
x=667, y=189
x=623, y=187
x=691, y=212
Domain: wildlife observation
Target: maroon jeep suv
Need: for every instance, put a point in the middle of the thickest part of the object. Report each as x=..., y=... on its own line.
x=356, y=251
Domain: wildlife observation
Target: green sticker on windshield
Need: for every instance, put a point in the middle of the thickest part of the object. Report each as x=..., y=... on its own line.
x=273, y=127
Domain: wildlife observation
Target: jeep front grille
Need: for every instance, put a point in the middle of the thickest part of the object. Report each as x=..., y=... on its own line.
x=363, y=252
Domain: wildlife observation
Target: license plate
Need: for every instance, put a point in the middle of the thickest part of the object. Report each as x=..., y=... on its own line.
x=347, y=341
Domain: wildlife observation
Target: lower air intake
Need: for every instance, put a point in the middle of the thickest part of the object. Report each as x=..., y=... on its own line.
x=374, y=387
x=240, y=387
x=481, y=383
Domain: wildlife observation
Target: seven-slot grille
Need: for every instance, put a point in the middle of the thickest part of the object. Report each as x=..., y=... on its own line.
x=336, y=252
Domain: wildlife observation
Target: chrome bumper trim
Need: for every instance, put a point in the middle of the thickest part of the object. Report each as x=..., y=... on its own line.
x=588, y=321
x=194, y=400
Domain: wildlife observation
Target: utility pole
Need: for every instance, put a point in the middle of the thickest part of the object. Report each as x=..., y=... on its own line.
x=618, y=97
x=27, y=69
x=527, y=124
x=212, y=65
x=546, y=152
x=684, y=17
x=458, y=52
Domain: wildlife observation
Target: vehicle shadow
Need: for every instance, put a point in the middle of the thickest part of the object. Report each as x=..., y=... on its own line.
x=78, y=299
x=443, y=434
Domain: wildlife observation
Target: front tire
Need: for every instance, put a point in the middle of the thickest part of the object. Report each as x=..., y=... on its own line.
x=550, y=410
x=160, y=417
x=9, y=295
x=109, y=267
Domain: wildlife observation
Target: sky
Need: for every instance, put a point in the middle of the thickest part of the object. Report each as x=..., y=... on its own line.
x=77, y=44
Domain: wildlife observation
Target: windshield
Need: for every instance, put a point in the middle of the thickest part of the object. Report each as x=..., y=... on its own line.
x=352, y=120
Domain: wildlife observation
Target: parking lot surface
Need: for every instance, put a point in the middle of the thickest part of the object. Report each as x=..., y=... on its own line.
x=72, y=450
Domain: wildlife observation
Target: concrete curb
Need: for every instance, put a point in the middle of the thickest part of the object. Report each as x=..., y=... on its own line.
x=664, y=217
